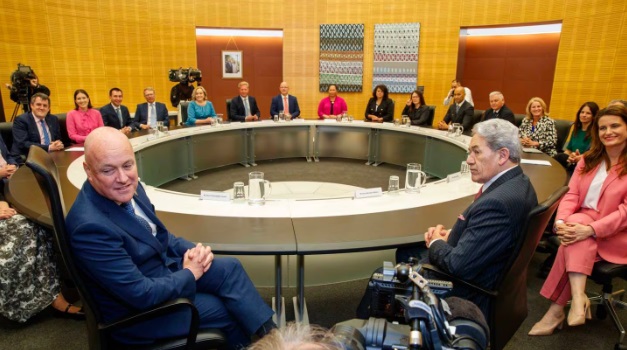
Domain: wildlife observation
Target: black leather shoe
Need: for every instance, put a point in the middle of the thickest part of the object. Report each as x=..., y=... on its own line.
x=80, y=315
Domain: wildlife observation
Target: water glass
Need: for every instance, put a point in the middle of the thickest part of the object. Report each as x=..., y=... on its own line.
x=414, y=178
x=276, y=118
x=458, y=129
x=393, y=185
x=281, y=116
x=338, y=118
x=258, y=188
x=160, y=126
x=288, y=117
x=166, y=130
x=238, y=192
x=397, y=122
x=405, y=121
x=450, y=132
x=464, y=168
x=219, y=119
x=350, y=118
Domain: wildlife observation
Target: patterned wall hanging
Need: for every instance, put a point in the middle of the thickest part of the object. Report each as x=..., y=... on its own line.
x=342, y=56
x=396, y=56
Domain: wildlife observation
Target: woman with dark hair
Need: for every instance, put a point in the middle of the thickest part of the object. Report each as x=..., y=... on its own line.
x=380, y=108
x=579, y=138
x=537, y=130
x=416, y=109
x=332, y=105
x=83, y=118
x=590, y=221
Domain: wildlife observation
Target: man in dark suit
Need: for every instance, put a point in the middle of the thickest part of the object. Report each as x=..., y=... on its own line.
x=284, y=102
x=243, y=107
x=459, y=112
x=36, y=127
x=132, y=262
x=115, y=114
x=498, y=108
x=482, y=239
x=148, y=114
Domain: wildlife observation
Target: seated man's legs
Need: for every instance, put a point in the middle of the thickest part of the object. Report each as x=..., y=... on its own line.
x=227, y=280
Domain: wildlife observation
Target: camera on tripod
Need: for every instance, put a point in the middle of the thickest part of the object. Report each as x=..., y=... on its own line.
x=185, y=75
x=430, y=323
x=20, y=83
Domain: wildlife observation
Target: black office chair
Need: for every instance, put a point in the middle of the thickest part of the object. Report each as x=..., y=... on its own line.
x=476, y=118
x=431, y=116
x=508, y=306
x=99, y=334
x=228, y=108
x=563, y=128
x=183, y=105
x=518, y=118
x=604, y=273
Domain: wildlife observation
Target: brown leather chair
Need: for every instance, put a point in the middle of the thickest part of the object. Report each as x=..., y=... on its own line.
x=99, y=334
x=508, y=307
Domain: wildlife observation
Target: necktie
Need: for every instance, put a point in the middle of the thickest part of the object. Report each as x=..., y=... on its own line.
x=119, y=113
x=479, y=193
x=457, y=110
x=496, y=114
x=286, y=107
x=128, y=206
x=246, y=106
x=153, y=116
x=45, y=131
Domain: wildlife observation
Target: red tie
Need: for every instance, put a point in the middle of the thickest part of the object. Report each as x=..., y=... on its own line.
x=479, y=193
x=286, y=108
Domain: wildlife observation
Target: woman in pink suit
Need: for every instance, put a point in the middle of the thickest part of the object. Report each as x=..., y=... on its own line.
x=591, y=221
x=331, y=106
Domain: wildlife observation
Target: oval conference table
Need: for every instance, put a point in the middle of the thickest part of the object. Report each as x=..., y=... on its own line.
x=295, y=227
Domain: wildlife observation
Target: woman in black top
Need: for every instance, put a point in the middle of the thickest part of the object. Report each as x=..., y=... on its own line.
x=417, y=110
x=380, y=108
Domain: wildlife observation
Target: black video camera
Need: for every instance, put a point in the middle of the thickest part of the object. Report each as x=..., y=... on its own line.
x=185, y=75
x=20, y=82
x=393, y=281
x=430, y=323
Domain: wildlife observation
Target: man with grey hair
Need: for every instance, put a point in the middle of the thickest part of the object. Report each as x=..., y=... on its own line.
x=481, y=241
x=498, y=109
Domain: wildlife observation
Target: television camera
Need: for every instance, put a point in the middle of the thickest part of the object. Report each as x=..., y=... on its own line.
x=425, y=316
x=20, y=87
x=184, y=75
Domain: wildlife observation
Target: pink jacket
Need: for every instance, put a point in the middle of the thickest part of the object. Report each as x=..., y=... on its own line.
x=339, y=106
x=610, y=221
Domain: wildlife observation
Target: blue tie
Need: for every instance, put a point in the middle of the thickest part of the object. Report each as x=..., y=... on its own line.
x=45, y=131
x=128, y=206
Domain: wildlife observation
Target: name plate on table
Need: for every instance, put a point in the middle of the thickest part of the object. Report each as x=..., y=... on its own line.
x=215, y=196
x=453, y=177
x=369, y=192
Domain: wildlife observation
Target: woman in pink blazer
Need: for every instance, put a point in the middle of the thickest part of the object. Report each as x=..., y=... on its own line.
x=591, y=221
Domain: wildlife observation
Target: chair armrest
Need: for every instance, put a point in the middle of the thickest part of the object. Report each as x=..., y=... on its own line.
x=166, y=308
x=455, y=279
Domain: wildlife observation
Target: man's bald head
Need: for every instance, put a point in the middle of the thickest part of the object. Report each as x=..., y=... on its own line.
x=110, y=164
x=459, y=94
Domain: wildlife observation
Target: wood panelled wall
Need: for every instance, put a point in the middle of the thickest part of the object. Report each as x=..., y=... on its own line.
x=98, y=44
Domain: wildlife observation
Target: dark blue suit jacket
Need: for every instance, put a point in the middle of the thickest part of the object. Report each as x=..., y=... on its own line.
x=464, y=116
x=238, y=111
x=482, y=239
x=26, y=133
x=141, y=113
x=504, y=113
x=127, y=268
x=8, y=156
x=110, y=118
x=277, y=105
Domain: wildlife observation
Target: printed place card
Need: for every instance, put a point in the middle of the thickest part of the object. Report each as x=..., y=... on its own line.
x=215, y=196
x=369, y=192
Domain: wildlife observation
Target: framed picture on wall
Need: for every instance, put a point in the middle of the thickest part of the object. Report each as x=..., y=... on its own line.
x=232, y=65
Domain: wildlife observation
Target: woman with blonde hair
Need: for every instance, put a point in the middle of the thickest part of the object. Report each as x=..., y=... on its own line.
x=538, y=129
